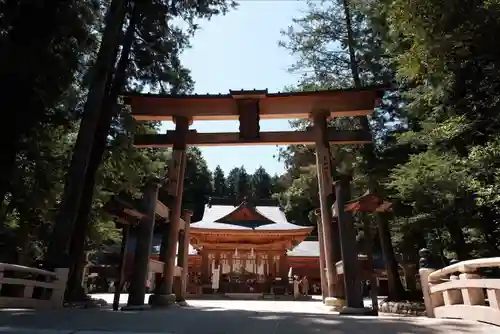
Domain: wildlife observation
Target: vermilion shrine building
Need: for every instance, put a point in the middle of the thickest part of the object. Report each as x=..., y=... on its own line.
x=254, y=246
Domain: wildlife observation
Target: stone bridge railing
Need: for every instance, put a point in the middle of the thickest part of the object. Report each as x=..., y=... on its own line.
x=458, y=291
x=26, y=287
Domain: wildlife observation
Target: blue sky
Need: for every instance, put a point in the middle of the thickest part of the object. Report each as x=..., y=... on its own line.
x=240, y=51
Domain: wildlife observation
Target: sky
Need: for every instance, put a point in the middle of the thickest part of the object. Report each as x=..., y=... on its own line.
x=240, y=51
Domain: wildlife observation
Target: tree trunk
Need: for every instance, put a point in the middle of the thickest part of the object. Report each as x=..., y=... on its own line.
x=396, y=290
x=74, y=290
x=457, y=237
x=22, y=240
x=57, y=253
x=490, y=233
x=109, y=110
x=8, y=156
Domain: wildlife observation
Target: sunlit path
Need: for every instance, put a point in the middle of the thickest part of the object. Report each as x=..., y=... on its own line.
x=223, y=316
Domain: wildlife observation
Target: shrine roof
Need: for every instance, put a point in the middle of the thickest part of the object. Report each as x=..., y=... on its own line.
x=267, y=227
x=311, y=249
x=306, y=249
x=274, y=219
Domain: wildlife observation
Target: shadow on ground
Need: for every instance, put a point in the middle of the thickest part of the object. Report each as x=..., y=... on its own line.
x=215, y=320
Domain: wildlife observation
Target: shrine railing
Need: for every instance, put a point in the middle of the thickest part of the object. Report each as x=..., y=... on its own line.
x=26, y=287
x=459, y=291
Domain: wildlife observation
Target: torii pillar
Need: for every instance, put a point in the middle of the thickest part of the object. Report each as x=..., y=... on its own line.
x=183, y=258
x=137, y=290
x=326, y=198
x=354, y=297
x=164, y=295
x=322, y=264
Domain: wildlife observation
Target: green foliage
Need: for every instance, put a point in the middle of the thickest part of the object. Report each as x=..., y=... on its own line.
x=301, y=197
x=261, y=184
x=238, y=184
x=445, y=50
x=52, y=65
x=197, y=183
x=436, y=137
x=219, y=182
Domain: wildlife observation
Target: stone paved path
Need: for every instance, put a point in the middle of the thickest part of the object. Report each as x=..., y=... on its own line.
x=226, y=317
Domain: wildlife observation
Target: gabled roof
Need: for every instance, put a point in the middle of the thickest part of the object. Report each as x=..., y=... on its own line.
x=305, y=249
x=368, y=202
x=273, y=219
x=250, y=214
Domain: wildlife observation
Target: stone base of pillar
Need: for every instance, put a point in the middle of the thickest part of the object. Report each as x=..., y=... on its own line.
x=182, y=302
x=336, y=303
x=156, y=300
x=179, y=298
x=135, y=308
x=356, y=311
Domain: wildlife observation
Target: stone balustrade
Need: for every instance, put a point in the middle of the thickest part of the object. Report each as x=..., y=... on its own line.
x=458, y=291
x=26, y=287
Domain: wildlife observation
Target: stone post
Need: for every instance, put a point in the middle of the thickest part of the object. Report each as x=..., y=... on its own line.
x=164, y=296
x=347, y=232
x=427, y=265
x=326, y=197
x=425, y=285
x=137, y=290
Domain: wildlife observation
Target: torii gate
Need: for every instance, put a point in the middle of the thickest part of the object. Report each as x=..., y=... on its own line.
x=249, y=106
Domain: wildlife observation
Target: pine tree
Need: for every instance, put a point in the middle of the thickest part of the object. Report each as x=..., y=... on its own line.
x=219, y=182
x=261, y=184
x=242, y=184
x=232, y=183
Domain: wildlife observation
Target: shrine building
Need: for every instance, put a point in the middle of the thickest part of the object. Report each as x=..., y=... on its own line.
x=251, y=248
x=251, y=243
x=254, y=248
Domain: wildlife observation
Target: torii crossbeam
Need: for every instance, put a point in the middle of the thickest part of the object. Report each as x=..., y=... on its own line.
x=249, y=107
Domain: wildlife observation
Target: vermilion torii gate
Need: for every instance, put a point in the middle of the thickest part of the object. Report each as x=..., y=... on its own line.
x=248, y=107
